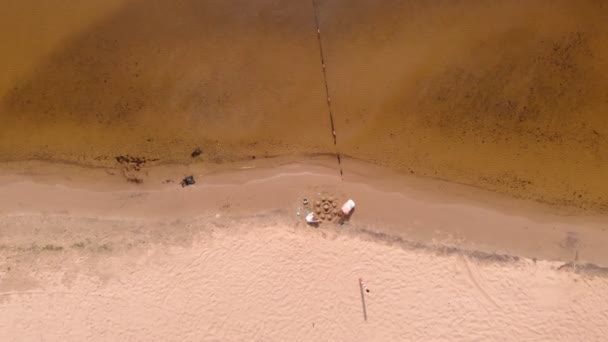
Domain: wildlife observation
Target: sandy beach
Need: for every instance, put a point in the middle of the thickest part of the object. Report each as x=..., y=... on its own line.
x=228, y=259
x=472, y=136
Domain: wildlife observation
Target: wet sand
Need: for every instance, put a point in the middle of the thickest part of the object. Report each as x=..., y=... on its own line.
x=228, y=259
x=390, y=204
x=503, y=96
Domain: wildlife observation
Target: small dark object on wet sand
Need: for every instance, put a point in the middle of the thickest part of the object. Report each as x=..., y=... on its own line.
x=188, y=181
x=197, y=152
x=135, y=180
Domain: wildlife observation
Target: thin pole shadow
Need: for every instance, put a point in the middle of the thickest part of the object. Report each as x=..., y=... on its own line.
x=363, y=299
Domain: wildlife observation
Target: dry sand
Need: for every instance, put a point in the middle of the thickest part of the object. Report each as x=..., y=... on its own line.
x=229, y=260
x=279, y=283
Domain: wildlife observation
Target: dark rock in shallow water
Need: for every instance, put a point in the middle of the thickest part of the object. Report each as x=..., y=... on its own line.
x=196, y=153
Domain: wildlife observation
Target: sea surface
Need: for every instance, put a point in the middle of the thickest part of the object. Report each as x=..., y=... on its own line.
x=508, y=96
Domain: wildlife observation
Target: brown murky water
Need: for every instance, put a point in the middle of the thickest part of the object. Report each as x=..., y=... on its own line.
x=509, y=96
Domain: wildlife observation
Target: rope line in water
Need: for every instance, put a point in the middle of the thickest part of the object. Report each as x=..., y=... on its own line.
x=323, y=66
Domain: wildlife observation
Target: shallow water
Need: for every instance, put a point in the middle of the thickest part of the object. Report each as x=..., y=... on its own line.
x=506, y=96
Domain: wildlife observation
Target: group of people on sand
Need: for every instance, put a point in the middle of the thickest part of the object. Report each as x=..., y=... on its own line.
x=343, y=214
